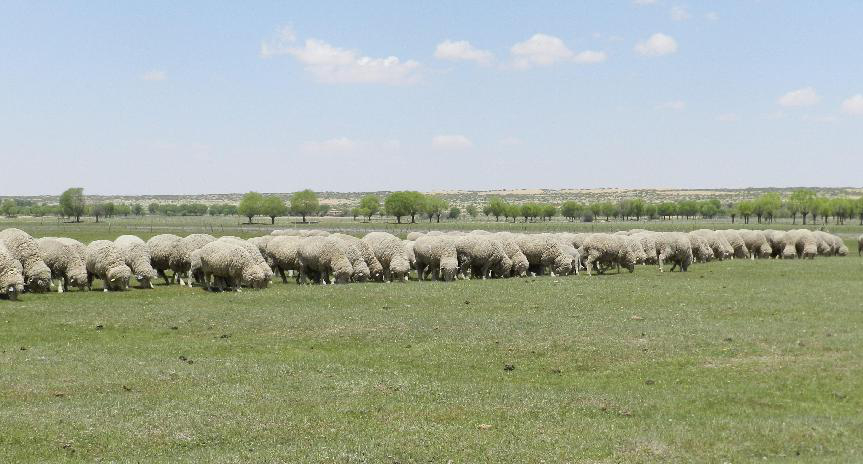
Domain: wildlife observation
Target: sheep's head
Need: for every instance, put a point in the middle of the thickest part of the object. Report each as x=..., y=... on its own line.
x=448, y=269
x=520, y=266
x=361, y=271
x=254, y=277
x=399, y=268
x=39, y=284
x=376, y=271
x=563, y=264
x=504, y=267
x=765, y=250
x=117, y=278
x=842, y=250
x=13, y=290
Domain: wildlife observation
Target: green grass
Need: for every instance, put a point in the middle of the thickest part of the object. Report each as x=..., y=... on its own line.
x=735, y=361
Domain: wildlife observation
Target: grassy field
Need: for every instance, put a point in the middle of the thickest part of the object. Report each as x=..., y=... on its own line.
x=734, y=361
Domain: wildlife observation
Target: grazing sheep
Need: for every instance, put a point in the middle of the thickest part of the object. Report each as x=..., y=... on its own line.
x=606, y=251
x=105, y=261
x=255, y=252
x=228, y=264
x=717, y=242
x=701, y=250
x=11, y=276
x=436, y=255
x=800, y=243
x=324, y=258
x=675, y=248
x=545, y=251
x=736, y=241
x=65, y=263
x=284, y=250
x=839, y=247
x=413, y=236
x=482, y=254
x=634, y=248
x=648, y=244
x=161, y=248
x=79, y=247
x=520, y=264
x=261, y=243
x=776, y=240
x=180, y=260
x=756, y=242
x=137, y=255
x=37, y=276
x=361, y=269
x=390, y=252
x=409, y=251
x=376, y=270
x=823, y=243
x=285, y=232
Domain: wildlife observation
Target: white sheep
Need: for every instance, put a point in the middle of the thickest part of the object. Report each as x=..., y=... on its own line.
x=756, y=242
x=254, y=251
x=161, y=248
x=520, y=264
x=284, y=250
x=226, y=264
x=105, y=262
x=717, y=242
x=37, y=275
x=482, y=255
x=409, y=251
x=675, y=248
x=436, y=256
x=261, y=243
x=776, y=240
x=736, y=241
x=180, y=260
x=544, y=251
x=607, y=250
x=325, y=259
x=413, y=236
x=136, y=253
x=648, y=245
x=376, y=270
x=799, y=243
x=701, y=250
x=65, y=262
x=390, y=252
x=11, y=276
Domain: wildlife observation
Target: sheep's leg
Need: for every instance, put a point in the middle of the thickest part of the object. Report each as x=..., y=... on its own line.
x=90, y=281
x=281, y=273
x=486, y=270
x=59, y=285
x=660, y=263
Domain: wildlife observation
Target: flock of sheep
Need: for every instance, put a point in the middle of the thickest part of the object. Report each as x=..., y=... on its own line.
x=28, y=264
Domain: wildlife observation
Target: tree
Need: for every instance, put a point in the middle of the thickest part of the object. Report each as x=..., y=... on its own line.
x=137, y=209
x=323, y=210
x=497, y=207
x=404, y=203
x=570, y=210
x=251, y=205
x=9, y=207
x=471, y=211
x=745, y=208
x=72, y=201
x=356, y=212
x=454, y=212
x=110, y=209
x=97, y=211
x=767, y=205
x=273, y=206
x=370, y=204
x=434, y=207
x=304, y=203
x=802, y=200
x=153, y=208
x=548, y=211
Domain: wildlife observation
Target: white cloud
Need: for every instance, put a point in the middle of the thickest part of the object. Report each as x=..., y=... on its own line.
x=676, y=105
x=727, y=117
x=154, y=75
x=462, y=50
x=539, y=50
x=657, y=45
x=451, y=142
x=712, y=16
x=800, y=97
x=679, y=13
x=336, y=145
x=589, y=57
x=853, y=105
x=335, y=65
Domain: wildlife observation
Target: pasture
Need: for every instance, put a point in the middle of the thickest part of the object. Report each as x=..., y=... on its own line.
x=733, y=361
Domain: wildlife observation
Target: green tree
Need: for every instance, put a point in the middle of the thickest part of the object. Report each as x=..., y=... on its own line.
x=9, y=207
x=251, y=205
x=137, y=209
x=570, y=210
x=273, y=206
x=404, y=203
x=745, y=208
x=370, y=204
x=802, y=200
x=72, y=201
x=471, y=211
x=153, y=208
x=323, y=210
x=454, y=212
x=548, y=211
x=304, y=203
x=497, y=207
x=97, y=211
x=355, y=212
x=434, y=207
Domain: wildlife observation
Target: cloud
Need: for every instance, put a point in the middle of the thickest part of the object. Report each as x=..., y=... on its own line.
x=657, y=45
x=800, y=97
x=679, y=13
x=676, y=105
x=539, y=50
x=462, y=50
x=333, y=65
x=853, y=105
x=154, y=75
x=589, y=57
x=451, y=142
x=712, y=16
x=727, y=117
x=336, y=145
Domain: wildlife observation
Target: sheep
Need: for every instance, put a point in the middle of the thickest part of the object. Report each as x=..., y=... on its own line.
x=482, y=254
x=674, y=247
x=105, y=261
x=800, y=243
x=776, y=240
x=376, y=270
x=606, y=250
x=717, y=242
x=255, y=252
x=390, y=252
x=37, y=276
x=701, y=251
x=65, y=262
x=409, y=251
x=823, y=243
x=229, y=265
x=756, y=242
x=180, y=261
x=326, y=259
x=284, y=251
x=361, y=269
x=520, y=264
x=161, y=248
x=261, y=243
x=736, y=241
x=648, y=244
x=545, y=251
x=77, y=246
x=634, y=248
x=11, y=275
x=436, y=256
x=837, y=244
x=285, y=232
x=137, y=255
x=413, y=236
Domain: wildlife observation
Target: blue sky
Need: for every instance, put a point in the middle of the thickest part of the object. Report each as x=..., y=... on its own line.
x=204, y=97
